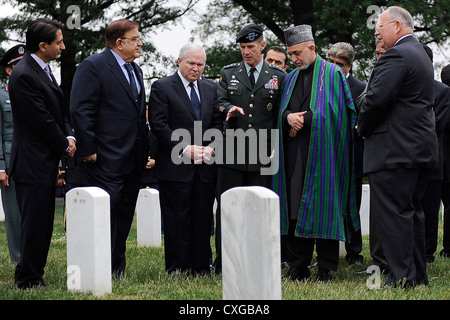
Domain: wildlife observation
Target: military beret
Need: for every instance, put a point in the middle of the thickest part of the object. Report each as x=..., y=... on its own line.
x=13, y=55
x=298, y=34
x=249, y=33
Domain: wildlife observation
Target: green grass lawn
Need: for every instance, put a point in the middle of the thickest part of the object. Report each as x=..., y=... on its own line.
x=146, y=278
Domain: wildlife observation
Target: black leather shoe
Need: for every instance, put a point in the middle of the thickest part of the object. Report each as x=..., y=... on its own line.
x=299, y=274
x=40, y=284
x=324, y=275
x=201, y=272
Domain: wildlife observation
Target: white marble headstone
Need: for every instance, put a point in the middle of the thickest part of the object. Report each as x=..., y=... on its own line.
x=251, y=261
x=2, y=212
x=364, y=211
x=88, y=241
x=148, y=212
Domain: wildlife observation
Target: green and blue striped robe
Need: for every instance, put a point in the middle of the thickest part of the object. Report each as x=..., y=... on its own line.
x=328, y=199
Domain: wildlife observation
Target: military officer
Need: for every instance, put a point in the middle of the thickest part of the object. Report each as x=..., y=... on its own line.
x=10, y=207
x=249, y=94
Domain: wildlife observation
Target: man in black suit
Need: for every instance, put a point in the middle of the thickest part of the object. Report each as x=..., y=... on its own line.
x=41, y=136
x=400, y=148
x=431, y=201
x=445, y=252
x=343, y=54
x=182, y=107
x=108, y=112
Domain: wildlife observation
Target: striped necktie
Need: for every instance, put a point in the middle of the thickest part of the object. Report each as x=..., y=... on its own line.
x=195, y=101
x=132, y=81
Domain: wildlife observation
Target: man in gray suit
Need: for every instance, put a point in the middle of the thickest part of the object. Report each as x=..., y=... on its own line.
x=397, y=121
x=9, y=201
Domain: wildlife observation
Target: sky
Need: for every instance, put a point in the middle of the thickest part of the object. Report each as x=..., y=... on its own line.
x=168, y=40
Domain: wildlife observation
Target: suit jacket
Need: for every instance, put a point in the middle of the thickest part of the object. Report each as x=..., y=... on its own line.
x=357, y=88
x=40, y=123
x=260, y=106
x=396, y=117
x=170, y=109
x=106, y=118
x=441, y=95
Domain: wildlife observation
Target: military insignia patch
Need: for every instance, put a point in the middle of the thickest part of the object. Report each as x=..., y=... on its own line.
x=269, y=107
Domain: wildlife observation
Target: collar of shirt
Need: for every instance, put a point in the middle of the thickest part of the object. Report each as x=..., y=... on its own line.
x=408, y=35
x=40, y=62
x=122, y=63
x=187, y=87
x=258, y=68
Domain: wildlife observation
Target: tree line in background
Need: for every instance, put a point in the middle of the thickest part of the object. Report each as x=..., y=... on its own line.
x=350, y=21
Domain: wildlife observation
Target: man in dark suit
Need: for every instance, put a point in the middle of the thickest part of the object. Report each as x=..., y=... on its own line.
x=376, y=251
x=400, y=148
x=41, y=136
x=431, y=201
x=108, y=112
x=249, y=94
x=343, y=54
x=445, y=252
x=182, y=107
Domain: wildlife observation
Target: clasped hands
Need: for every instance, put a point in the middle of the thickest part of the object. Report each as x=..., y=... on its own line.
x=71, y=149
x=199, y=154
x=296, y=121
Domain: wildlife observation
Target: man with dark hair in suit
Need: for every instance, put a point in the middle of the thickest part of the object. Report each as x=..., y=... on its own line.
x=445, y=252
x=107, y=105
x=183, y=102
x=343, y=54
x=400, y=147
x=41, y=136
x=277, y=56
x=431, y=201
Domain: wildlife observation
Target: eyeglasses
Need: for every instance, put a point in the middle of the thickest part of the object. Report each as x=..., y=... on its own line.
x=134, y=39
x=340, y=64
x=381, y=25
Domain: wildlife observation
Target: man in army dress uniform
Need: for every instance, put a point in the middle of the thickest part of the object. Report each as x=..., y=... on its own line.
x=10, y=207
x=249, y=94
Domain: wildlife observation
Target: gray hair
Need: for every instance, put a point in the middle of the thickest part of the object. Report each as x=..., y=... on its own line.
x=402, y=15
x=342, y=50
x=190, y=47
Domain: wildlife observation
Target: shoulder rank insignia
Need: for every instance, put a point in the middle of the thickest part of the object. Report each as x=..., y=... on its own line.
x=231, y=66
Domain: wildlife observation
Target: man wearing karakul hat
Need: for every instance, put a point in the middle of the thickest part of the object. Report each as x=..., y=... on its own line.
x=315, y=180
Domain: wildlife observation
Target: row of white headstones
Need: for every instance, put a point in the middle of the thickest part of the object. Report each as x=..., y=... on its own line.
x=251, y=268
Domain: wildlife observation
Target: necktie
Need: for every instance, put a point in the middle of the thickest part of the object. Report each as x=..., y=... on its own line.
x=48, y=72
x=195, y=101
x=252, y=77
x=132, y=82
